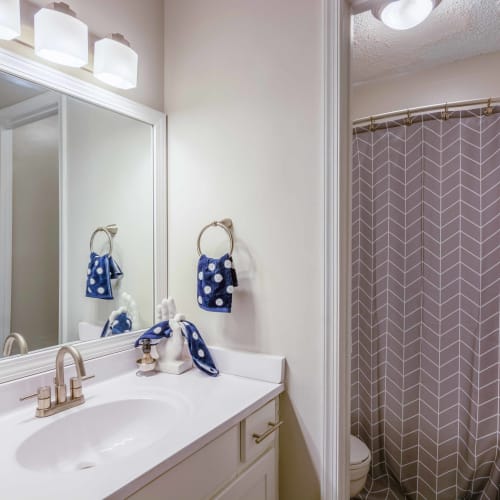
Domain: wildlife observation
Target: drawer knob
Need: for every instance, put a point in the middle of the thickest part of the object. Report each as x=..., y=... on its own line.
x=272, y=427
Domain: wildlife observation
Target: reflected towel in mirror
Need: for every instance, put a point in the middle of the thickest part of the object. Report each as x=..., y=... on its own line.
x=119, y=322
x=101, y=270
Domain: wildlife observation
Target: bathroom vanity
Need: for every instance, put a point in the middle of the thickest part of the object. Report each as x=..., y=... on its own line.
x=233, y=465
x=186, y=436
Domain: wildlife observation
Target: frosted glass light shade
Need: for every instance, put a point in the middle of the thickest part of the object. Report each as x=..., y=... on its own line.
x=115, y=63
x=10, y=19
x=405, y=14
x=61, y=38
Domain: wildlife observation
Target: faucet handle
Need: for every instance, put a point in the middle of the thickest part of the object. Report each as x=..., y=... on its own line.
x=75, y=384
x=41, y=393
x=88, y=377
x=43, y=396
x=30, y=396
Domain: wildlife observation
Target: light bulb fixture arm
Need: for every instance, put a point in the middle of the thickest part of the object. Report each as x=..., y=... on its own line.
x=62, y=7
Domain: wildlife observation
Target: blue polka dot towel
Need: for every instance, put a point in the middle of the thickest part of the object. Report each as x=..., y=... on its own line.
x=196, y=345
x=101, y=270
x=119, y=322
x=216, y=282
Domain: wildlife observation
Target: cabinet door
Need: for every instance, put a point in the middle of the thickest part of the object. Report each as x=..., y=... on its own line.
x=256, y=483
x=197, y=477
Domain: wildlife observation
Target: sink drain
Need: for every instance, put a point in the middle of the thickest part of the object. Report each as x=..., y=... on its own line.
x=85, y=465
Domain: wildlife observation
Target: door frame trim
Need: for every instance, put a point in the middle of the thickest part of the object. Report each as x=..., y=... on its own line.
x=335, y=480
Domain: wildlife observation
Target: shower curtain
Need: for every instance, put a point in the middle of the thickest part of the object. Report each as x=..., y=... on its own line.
x=425, y=306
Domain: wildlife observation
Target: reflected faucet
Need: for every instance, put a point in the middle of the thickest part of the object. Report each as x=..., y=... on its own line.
x=46, y=406
x=9, y=343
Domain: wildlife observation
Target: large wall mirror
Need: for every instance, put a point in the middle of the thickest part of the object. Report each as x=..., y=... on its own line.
x=80, y=211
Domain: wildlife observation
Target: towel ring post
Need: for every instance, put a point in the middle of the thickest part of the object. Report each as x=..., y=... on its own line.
x=109, y=231
x=227, y=225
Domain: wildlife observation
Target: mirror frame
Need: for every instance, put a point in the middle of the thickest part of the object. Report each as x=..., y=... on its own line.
x=28, y=69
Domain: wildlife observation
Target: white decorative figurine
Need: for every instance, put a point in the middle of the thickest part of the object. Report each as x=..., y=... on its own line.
x=172, y=351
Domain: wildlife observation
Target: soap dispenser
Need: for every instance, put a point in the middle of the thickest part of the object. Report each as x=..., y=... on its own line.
x=147, y=363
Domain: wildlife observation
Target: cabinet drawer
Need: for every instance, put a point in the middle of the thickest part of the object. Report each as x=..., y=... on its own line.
x=257, y=424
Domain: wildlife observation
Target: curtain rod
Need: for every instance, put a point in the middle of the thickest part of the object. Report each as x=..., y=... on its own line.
x=433, y=107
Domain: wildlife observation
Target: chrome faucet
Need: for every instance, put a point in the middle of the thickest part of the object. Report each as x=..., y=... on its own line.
x=9, y=342
x=46, y=406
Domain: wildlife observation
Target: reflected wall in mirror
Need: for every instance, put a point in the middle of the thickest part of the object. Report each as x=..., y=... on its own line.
x=67, y=168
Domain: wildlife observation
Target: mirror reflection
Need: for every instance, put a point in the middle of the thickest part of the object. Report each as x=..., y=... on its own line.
x=76, y=219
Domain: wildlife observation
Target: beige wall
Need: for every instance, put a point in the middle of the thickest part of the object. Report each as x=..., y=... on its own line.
x=243, y=97
x=140, y=21
x=35, y=232
x=473, y=78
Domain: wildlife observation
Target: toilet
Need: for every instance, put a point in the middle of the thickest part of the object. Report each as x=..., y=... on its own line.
x=359, y=465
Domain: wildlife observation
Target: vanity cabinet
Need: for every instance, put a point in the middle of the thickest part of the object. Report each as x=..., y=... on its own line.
x=231, y=467
x=258, y=482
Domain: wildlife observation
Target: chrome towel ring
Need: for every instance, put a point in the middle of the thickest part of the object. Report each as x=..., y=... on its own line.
x=109, y=231
x=227, y=225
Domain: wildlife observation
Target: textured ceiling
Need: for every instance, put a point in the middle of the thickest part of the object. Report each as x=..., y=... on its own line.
x=455, y=30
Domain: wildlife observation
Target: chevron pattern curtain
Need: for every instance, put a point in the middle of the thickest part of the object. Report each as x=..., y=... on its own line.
x=425, y=306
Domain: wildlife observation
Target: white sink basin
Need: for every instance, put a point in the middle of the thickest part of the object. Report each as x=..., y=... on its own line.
x=95, y=435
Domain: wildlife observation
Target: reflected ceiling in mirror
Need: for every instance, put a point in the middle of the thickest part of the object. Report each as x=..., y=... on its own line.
x=67, y=169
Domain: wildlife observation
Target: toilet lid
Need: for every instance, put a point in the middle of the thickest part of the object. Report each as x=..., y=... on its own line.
x=359, y=451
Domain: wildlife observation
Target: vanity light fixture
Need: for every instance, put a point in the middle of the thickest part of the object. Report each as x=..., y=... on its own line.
x=404, y=14
x=115, y=63
x=60, y=37
x=10, y=19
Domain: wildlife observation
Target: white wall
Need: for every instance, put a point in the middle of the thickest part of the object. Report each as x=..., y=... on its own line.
x=35, y=236
x=109, y=180
x=472, y=78
x=141, y=22
x=243, y=97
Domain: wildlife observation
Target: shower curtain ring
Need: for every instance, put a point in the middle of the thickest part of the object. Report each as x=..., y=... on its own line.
x=373, y=126
x=409, y=119
x=488, y=110
x=445, y=115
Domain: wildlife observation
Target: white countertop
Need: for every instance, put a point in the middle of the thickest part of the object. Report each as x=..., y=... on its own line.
x=208, y=407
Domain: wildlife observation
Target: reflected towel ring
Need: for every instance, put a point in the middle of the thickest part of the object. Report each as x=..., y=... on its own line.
x=110, y=231
x=227, y=225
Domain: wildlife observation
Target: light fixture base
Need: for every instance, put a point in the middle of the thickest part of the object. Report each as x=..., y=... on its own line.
x=118, y=37
x=62, y=7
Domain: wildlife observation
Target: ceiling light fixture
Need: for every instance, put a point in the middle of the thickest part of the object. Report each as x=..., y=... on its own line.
x=404, y=14
x=115, y=63
x=60, y=37
x=10, y=19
